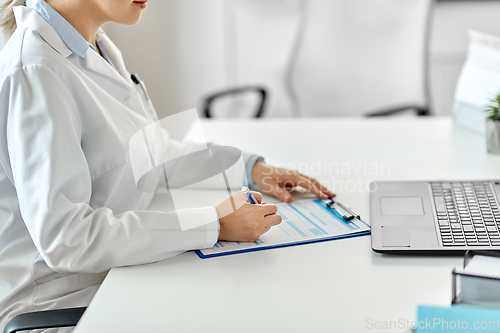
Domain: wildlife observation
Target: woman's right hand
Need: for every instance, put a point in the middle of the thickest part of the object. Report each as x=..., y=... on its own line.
x=241, y=221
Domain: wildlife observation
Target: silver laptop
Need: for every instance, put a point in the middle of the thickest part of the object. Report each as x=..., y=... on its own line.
x=436, y=217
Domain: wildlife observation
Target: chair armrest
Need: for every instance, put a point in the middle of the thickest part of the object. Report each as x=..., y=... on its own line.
x=420, y=111
x=207, y=104
x=45, y=319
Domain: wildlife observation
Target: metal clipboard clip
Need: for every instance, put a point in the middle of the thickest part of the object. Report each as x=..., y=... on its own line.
x=351, y=215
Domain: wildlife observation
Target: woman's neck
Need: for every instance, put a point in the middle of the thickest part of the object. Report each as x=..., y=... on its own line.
x=80, y=14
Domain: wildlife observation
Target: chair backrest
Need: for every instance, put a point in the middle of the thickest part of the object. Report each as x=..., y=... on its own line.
x=354, y=57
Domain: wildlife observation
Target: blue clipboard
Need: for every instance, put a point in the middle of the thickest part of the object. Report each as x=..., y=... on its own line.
x=317, y=219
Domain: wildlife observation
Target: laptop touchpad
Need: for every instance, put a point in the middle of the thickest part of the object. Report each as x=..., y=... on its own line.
x=395, y=236
x=401, y=206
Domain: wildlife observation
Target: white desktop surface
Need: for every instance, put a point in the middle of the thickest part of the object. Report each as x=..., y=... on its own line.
x=335, y=286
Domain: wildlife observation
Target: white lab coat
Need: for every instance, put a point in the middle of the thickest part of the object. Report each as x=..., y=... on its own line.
x=69, y=208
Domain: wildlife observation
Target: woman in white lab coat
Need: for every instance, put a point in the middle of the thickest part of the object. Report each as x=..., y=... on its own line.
x=69, y=207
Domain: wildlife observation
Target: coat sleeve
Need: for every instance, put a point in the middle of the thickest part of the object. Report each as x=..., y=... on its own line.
x=53, y=183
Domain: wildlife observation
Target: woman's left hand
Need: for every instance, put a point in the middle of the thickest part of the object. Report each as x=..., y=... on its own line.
x=279, y=182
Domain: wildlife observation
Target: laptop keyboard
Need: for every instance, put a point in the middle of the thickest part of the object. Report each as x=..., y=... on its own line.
x=467, y=213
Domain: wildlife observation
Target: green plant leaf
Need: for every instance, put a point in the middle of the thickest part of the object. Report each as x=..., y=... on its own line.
x=493, y=109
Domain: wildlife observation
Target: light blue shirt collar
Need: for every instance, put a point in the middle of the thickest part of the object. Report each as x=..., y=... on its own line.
x=70, y=36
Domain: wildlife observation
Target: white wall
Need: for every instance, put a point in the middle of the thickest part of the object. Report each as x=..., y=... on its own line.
x=449, y=42
x=185, y=49
x=177, y=49
x=202, y=45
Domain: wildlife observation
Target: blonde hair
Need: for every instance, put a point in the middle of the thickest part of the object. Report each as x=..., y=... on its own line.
x=7, y=19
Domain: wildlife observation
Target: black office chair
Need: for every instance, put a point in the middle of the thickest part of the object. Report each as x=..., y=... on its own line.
x=45, y=319
x=261, y=92
x=343, y=64
x=209, y=101
x=419, y=111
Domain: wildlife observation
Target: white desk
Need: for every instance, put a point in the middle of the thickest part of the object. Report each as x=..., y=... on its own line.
x=336, y=286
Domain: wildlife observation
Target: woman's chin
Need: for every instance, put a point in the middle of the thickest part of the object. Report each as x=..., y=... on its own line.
x=133, y=19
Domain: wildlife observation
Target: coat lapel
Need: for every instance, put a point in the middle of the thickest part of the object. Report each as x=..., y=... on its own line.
x=97, y=64
x=114, y=54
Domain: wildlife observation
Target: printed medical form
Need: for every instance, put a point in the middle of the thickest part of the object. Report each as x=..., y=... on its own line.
x=304, y=221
